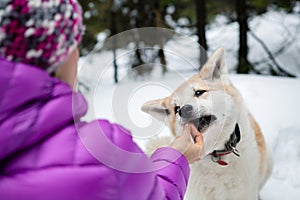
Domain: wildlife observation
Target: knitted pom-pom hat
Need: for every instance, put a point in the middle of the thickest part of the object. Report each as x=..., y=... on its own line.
x=39, y=32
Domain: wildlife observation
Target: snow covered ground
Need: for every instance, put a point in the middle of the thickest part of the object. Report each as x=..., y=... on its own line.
x=273, y=101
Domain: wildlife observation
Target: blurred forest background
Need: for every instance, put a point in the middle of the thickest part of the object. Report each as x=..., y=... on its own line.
x=192, y=18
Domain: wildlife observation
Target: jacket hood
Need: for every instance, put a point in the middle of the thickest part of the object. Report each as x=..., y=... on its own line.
x=30, y=102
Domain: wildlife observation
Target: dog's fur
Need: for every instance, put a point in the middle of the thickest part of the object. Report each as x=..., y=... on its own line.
x=244, y=176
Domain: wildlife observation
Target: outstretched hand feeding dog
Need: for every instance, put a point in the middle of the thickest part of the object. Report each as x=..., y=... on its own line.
x=191, y=149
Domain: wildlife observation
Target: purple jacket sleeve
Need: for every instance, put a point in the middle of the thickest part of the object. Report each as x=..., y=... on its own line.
x=163, y=176
x=174, y=176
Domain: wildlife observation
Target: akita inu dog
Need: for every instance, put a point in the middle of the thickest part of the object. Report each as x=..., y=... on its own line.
x=236, y=162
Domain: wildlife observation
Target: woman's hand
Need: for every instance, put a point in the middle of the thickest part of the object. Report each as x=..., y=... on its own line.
x=190, y=148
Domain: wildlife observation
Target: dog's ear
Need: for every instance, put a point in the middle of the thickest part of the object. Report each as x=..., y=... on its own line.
x=215, y=67
x=156, y=109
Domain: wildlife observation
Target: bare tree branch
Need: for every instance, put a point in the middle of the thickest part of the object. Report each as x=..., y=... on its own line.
x=276, y=53
x=281, y=71
x=290, y=39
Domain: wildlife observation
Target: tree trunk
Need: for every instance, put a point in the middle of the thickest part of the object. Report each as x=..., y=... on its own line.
x=201, y=22
x=113, y=30
x=244, y=66
x=158, y=22
x=139, y=61
x=163, y=61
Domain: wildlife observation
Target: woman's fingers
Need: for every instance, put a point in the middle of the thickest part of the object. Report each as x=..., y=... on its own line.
x=196, y=134
x=191, y=150
x=194, y=131
x=186, y=131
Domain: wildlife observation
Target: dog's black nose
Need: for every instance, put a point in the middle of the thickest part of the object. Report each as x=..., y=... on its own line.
x=186, y=111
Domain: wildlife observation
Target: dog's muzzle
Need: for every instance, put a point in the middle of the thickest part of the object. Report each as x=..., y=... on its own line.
x=186, y=112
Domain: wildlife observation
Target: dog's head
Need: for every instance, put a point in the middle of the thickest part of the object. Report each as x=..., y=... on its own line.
x=207, y=99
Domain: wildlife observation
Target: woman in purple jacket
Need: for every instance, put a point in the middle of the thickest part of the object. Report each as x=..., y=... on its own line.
x=46, y=152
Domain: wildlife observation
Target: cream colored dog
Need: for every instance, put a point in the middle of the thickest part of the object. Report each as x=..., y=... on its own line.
x=235, y=163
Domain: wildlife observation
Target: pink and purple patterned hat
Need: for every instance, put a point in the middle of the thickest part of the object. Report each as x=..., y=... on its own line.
x=39, y=32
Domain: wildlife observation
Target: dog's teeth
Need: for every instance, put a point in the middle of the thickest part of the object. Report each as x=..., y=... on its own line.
x=204, y=122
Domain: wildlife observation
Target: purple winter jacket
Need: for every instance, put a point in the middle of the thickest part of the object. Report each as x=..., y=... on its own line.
x=45, y=155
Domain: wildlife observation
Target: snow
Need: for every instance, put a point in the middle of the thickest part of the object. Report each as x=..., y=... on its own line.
x=273, y=101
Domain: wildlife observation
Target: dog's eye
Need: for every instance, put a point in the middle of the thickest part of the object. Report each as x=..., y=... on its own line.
x=198, y=93
x=176, y=109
